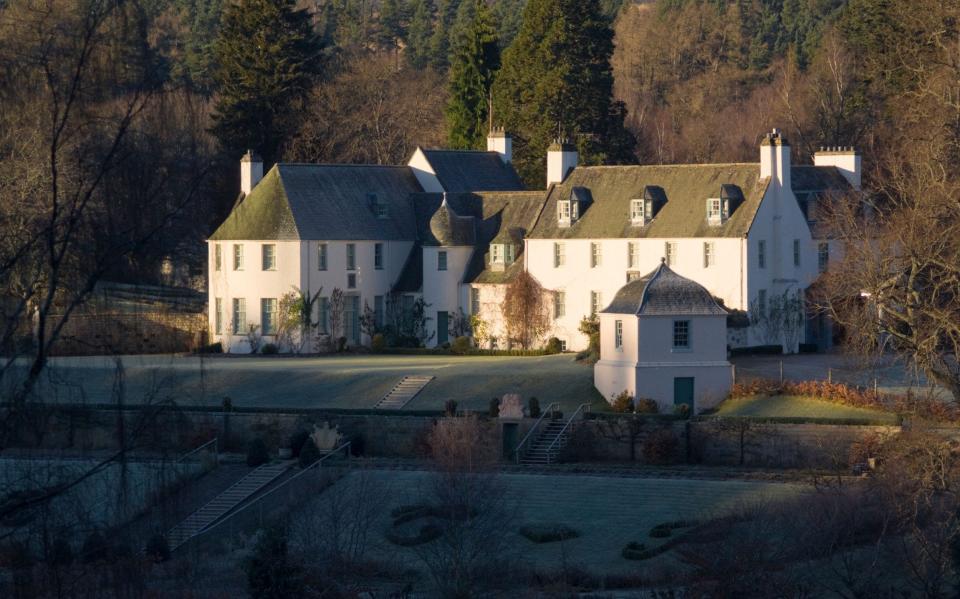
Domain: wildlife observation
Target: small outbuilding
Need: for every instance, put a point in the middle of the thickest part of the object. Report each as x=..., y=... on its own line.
x=664, y=337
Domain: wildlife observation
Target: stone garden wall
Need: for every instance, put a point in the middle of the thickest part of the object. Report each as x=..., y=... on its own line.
x=604, y=438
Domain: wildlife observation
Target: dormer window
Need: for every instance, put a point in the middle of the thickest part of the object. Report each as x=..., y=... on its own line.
x=720, y=209
x=563, y=212
x=715, y=211
x=378, y=205
x=645, y=209
x=570, y=209
x=502, y=253
x=637, y=212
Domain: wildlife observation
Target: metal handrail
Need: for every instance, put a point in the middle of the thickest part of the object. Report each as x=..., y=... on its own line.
x=550, y=409
x=226, y=518
x=565, y=427
x=216, y=450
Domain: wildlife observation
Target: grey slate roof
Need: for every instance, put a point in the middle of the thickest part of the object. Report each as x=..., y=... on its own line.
x=462, y=171
x=500, y=217
x=449, y=228
x=664, y=293
x=820, y=184
x=686, y=188
x=329, y=202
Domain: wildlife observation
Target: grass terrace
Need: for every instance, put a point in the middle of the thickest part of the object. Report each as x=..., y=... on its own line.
x=808, y=408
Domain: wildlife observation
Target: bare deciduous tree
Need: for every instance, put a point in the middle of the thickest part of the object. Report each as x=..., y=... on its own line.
x=475, y=512
x=525, y=310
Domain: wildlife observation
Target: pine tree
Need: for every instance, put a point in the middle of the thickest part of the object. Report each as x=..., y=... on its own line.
x=509, y=16
x=557, y=74
x=268, y=59
x=391, y=25
x=476, y=59
x=418, y=33
x=440, y=41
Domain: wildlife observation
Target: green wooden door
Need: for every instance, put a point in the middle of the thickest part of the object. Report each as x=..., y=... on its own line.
x=442, y=328
x=683, y=391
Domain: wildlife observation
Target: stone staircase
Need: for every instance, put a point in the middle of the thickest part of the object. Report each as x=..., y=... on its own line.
x=225, y=502
x=540, y=452
x=403, y=392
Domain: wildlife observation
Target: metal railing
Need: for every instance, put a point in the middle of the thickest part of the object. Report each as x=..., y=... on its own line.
x=216, y=450
x=305, y=484
x=582, y=408
x=551, y=409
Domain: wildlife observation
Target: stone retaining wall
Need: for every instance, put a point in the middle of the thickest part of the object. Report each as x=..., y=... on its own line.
x=146, y=332
x=601, y=439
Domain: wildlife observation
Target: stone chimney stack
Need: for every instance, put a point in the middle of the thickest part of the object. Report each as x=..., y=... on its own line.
x=499, y=141
x=775, y=159
x=562, y=158
x=251, y=171
x=845, y=159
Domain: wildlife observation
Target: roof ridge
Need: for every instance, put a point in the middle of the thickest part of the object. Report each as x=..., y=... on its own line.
x=656, y=273
x=696, y=165
x=338, y=164
x=286, y=200
x=454, y=151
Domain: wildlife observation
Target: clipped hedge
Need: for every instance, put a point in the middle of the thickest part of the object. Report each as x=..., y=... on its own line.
x=638, y=551
x=548, y=533
x=753, y=350
x=427, y=533
x=474, y=351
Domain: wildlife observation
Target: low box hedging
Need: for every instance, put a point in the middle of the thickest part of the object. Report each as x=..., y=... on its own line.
x=548, y=533
x=427, y=533
x=474, y=351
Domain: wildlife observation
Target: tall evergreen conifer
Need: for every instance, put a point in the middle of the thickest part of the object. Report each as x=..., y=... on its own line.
x=440, y=41
x=476, y=59
x=417, y=51
x=391, y=25
x=557, y=75
x=268, y=59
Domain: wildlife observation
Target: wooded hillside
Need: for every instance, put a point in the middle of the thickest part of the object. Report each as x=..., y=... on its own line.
x=669, y=81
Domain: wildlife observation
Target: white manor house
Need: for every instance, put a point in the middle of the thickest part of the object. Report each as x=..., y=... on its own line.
x=454, y=228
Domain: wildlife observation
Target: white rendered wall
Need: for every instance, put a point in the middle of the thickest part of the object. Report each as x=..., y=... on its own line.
x=614, y=372
x=726, y=278
x=648, y=363
x=779, y=221
x=370, y=281
x=442, y=288
x=424, y=173
x=252, y=283
x=491, y=300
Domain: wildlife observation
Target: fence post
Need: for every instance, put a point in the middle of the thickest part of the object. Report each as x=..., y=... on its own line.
x=733, y=371
x=830, y=375
x=781, y=372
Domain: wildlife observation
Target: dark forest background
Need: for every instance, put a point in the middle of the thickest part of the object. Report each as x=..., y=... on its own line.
x=149, y=104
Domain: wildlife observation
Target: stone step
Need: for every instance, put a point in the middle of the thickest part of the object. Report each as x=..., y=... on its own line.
x=225, y=502
x=404, y=392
